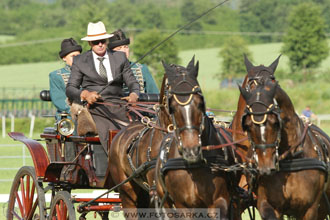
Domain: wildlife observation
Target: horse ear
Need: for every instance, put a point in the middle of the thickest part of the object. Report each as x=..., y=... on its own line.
x=191, y=64
x=275, y=63
x=246, y=95
x=248, y=64
x=195, y=72
x=191, y=68
x=169, y=72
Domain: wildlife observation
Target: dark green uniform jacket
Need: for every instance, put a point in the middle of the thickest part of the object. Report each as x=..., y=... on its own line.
x=144, y=78
x=57, y=85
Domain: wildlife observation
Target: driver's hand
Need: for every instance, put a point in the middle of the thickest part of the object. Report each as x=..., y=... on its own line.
x=90, y=97
x=133, y=97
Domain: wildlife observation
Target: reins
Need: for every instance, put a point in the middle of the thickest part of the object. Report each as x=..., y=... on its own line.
x=135, y=108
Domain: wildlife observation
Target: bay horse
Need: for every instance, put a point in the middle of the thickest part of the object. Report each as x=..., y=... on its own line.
x=138, y=145
x=184, y=174
x=255, y=73
x=292, y=160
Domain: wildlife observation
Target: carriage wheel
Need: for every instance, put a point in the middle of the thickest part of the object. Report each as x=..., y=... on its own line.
x=27, y=198
x=62, y=207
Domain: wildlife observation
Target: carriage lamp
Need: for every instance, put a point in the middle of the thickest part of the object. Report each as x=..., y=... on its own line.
x=65, y=127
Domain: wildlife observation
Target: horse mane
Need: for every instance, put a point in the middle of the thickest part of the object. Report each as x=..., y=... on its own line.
x=162, y=90
x=283, y=99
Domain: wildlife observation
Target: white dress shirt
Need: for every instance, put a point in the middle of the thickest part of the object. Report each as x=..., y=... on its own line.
x=106, y=64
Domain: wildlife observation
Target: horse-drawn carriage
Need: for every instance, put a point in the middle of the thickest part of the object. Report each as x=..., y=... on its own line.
x=180, y=160
x=79, y=162
x=70, y=162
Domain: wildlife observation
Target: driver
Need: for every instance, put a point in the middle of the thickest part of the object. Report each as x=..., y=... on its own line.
x=101, y=68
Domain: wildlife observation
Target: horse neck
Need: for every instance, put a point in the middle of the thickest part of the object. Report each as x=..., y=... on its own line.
x=291, y=127
x=164, y=119
x=241, y=105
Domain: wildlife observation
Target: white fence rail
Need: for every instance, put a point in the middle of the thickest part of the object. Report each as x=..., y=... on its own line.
x=24, y=155
x=12, y=124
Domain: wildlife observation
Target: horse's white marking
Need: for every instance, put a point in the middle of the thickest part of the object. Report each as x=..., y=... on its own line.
x=262, y=133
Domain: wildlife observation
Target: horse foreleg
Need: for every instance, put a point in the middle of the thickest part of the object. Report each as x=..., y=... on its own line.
x=129, y=201
x=312, y=212
x=265, y=209
x=222, y=204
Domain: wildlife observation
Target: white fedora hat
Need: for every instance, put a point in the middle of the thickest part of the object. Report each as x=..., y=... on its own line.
x=96, y=31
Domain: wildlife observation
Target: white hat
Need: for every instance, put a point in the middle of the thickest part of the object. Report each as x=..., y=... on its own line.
x=96, y=31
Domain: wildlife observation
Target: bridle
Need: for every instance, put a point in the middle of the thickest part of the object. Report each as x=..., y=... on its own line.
x=273, y=108
x=172, y=92
x=258, y=78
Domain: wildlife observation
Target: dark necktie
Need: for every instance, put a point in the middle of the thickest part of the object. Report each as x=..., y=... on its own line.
x=103, y=71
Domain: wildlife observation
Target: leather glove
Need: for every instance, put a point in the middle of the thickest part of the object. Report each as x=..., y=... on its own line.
x=90, y=97
x=133, y=97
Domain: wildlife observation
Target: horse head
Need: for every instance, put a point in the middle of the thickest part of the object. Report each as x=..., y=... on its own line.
x=262, y=122
x=186, y=107
x=259, y=74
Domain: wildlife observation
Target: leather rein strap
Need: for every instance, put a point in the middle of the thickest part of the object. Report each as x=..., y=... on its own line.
x=135, y=107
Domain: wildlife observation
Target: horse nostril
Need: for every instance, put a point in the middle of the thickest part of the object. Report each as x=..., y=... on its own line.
x=195, y=151
x=265, y=171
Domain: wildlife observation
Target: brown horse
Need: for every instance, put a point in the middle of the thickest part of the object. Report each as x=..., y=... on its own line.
x=291, y=159
x=255, y=73
x=185, y=174
x=138, y=145
x=255, y=76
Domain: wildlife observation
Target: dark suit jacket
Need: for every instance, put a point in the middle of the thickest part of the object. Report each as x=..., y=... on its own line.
x=84, y=75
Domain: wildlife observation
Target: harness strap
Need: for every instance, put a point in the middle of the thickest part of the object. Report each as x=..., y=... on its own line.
x=181, y=164
x=286, y=153
x=264, y=146
x=300, y=164
x=326, y=200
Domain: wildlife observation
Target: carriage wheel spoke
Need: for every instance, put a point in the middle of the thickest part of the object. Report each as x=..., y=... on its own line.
x=31, y=197
x=63, y=208
x=18, y=199
x=23, y=197
x=33, y=208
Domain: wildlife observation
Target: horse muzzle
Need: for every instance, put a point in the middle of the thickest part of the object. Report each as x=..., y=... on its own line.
x=192, y=154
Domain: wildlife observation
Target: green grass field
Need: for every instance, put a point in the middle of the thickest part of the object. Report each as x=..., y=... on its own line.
x=4, y=38
x=36, y=74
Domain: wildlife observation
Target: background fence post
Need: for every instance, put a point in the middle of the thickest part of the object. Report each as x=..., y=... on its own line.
x=12, y=122
x=3, y=126
x=32, y=124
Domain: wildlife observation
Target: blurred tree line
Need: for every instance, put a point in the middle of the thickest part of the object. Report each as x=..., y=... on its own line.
x=32, y=20
x=40, y=25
